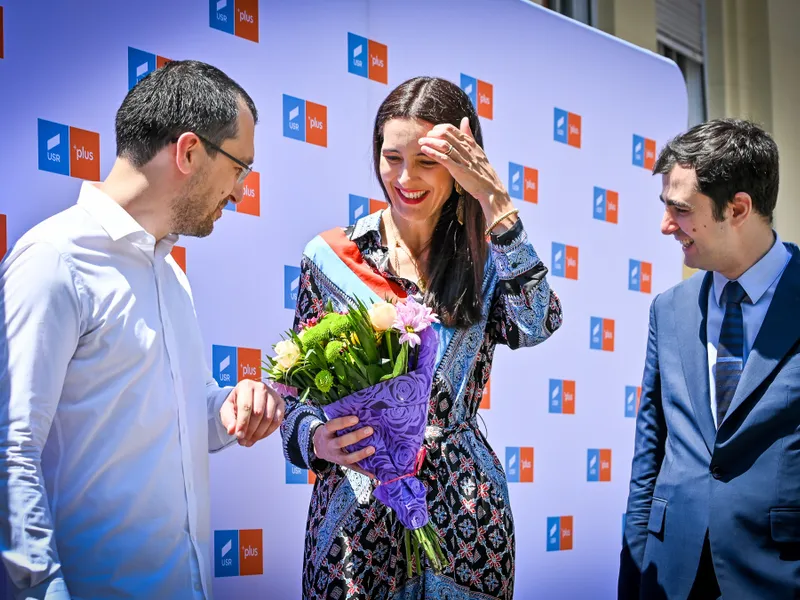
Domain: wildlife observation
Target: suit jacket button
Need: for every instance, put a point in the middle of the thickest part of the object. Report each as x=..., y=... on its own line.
x=716, y=472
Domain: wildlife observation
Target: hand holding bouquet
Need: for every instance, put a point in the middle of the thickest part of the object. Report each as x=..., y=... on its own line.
x=375, y=363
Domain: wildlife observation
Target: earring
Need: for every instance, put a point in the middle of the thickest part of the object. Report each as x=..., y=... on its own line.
x=460, y=210
x=459, y=189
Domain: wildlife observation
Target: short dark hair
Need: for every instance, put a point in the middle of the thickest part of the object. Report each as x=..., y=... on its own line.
x=728, y=156
x=455, y=274
x=181, y=96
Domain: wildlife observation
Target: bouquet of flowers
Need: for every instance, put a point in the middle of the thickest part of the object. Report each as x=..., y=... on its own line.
x=375, y=363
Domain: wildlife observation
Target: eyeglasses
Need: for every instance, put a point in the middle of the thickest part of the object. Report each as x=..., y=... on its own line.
x=245, y=168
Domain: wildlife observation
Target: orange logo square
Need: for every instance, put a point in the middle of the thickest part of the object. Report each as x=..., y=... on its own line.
x=246, y=16
x=3, y=236
x=571, y=266
x=645, y=277
x=531, y=185
x=485, y=100
x=84, y=157
x=161, y=61
x=649, y=154
x=605, y=465
x=568, y=400
x=378, y=62
x=574, y=130
x=612, y=206
x=566, y=533
x=249, y=364
x=526, y=465
x=486, y=398
x=608, y=335
x=251, y=195
x=317, y=124
x=251, y=552
x=179, y=254
x=376, y=205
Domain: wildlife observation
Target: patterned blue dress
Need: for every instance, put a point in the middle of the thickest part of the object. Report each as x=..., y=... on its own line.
x=354, y=545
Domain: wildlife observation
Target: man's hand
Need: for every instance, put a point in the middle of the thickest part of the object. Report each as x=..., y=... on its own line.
x=252, y=411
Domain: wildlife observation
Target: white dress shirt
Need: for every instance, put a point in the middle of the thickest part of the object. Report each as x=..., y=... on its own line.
x=108, y=413
x=759, y=283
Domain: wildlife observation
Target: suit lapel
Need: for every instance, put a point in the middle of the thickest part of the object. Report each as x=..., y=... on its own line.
x=690, y=316
x=779, y=332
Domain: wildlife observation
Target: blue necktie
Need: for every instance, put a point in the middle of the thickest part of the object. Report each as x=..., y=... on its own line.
x=730, y=352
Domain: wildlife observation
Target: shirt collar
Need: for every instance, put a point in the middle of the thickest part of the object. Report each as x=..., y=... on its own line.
x=117, y=221
x=758, y=278
x=369, y=225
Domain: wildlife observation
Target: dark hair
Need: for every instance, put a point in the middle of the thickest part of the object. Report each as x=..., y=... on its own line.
x=181, y=96
x=728, y=156
x=455, y=275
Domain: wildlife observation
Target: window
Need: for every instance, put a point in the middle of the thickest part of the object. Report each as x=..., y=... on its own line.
x=584, y=11
x=694, y=75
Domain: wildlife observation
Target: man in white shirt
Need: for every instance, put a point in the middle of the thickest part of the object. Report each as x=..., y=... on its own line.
x=109, y=411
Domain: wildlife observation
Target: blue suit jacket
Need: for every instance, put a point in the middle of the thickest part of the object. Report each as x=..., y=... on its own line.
x=741, y=483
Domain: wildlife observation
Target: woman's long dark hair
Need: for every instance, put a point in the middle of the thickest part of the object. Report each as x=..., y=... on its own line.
x=455, y=273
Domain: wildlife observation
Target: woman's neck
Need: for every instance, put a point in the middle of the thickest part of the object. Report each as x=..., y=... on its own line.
x=414, y=236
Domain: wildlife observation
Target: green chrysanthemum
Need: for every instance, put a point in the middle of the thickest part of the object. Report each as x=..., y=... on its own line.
x=333, y=351
x=339, y=326
x=324, y=381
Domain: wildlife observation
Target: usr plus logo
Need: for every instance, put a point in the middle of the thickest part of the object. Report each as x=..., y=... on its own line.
x=305, y=121
x=251, y=196
x=69, y=151
x=481, y=94
x=367, y=58
x=523, y=183
x=486, y=396
x=644, y=152
x=606, y=205
x=236, y=17
x=633, y=397
x=297, y=475
x=602, y=337
x=640, y=275
x=598, y=465
x=238, y=552
x=141, y=64
x=562, y=397
x=232, y=364
x=361, y=206
x=519, y=464
x=567, y=127
x=291, y=286
x=565, y=261
x=559, y=533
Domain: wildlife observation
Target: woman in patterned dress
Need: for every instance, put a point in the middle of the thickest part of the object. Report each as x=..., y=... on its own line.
x=488, y=289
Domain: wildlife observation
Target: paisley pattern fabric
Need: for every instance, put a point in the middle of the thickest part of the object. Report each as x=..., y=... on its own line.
x=354, y=547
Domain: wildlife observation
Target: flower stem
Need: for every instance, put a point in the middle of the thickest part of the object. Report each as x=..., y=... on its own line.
x=409, y=568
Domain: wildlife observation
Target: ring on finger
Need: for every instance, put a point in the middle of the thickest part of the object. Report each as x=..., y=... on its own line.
x=449, y=150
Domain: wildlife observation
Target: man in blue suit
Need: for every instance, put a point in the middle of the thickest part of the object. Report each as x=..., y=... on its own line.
x=714, y=504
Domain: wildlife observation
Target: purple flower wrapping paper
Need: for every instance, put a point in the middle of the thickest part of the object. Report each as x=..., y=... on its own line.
x=397, y=411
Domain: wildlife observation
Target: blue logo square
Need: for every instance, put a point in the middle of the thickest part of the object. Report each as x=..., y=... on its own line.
x=556, y=397
x=53, y=147
x=512, y=465
x=294, y=118
x=226, y=553
x=638, y=151
x=630, y=401
x=593, y=465
x=225, y=364
x=140, y=64
x=470, y=87
x=553, y=534
x=560, y=125
x=559, y=260
x=291, y=286
x=599, y=204
x=359, y=207
x=634, y=275
x=596, y=342
x=295, y=474
x=357, y=55
x=516, y=181
x=220, y=15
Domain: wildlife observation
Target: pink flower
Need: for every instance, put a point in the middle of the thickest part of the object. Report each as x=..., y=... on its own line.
x=412, y=318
